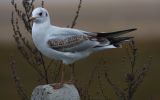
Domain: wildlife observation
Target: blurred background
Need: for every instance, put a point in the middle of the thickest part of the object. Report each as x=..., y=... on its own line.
x=95, y=15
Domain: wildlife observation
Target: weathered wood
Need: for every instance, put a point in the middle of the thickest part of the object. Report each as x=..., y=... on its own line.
x=47, y=92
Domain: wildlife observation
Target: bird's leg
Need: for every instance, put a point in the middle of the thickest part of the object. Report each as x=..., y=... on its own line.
x=72, y=74
x=62, y=74
x=60, y=84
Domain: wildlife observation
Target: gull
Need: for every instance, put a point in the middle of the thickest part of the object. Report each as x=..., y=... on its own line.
x=68, y=44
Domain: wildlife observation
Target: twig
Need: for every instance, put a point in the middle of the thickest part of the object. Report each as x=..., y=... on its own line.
x=58, y=71
x=20, y=89
x=49, y=65
x=45, y=69
x=101, y=87
x=77, y=14
x=120, y=93
x=20, y=40
x=42, y=3
x=31, y=54
x=91, y=77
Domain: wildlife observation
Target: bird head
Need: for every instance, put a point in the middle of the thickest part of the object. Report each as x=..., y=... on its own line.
x=40, y=15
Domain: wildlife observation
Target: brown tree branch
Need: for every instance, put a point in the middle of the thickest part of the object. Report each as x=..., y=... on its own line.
x=77, y=14
x=19, y=87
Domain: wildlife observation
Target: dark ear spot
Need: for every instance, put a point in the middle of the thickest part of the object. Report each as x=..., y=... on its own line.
x=40, y=14
x=46, y=14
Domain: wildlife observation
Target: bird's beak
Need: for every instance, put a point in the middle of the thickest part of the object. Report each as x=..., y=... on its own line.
x=32, y=18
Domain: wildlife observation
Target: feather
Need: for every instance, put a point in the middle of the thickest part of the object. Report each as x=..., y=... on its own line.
x=114, y=34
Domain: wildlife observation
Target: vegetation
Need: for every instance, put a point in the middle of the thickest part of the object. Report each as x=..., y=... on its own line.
x=44, y=68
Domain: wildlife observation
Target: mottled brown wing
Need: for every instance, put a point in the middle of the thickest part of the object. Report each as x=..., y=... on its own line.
x=69, y=42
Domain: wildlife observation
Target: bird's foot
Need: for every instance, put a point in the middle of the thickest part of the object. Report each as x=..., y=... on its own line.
x=57, y=85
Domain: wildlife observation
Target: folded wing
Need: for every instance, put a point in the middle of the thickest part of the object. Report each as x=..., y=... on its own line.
x=70, y=40
x=76, y=40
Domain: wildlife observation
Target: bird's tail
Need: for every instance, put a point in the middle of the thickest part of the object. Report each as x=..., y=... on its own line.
x=114, y=34
x=115, y=38
x=116, y=41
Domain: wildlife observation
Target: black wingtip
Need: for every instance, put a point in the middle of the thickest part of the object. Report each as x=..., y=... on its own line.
x=116, y=33
x=132, y=29
x=126, y=31
x=117, y=41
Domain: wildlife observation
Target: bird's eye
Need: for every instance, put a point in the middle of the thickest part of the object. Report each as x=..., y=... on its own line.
x=40, y=14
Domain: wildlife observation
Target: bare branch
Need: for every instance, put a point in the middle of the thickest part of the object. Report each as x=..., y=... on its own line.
x=42, y=4
x=21, y=43
x=77, y=14
x=120, y=93
x=101, y=87
x=20, y=89
x=44, y=69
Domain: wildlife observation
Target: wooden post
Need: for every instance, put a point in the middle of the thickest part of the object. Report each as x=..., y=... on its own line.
x=47, y=92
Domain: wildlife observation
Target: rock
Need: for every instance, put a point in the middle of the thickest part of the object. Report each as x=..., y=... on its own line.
x=47, y=92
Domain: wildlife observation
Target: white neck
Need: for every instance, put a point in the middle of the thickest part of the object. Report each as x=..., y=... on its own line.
x=41, y=26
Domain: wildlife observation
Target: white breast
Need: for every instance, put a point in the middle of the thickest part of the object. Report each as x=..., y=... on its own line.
x=40, y=38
